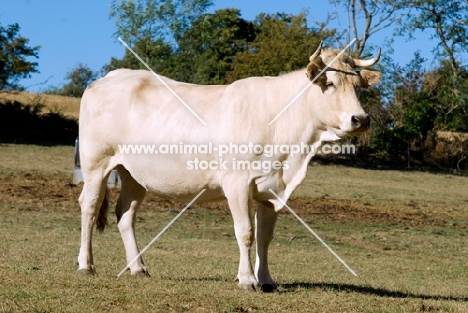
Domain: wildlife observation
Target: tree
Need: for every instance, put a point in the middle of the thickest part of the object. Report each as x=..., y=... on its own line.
x=283, y=43
x=154, y=28
x=376, y=14
x=452, y=112
x=150, y=20
x=447, y=20
x=14, y=51
x=79, y=78
x=202, y=54
x=159, y=55
x=412, y=109
x=208, y=48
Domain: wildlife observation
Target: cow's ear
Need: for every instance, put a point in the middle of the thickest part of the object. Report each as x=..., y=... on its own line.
x=369, y=78
x=313, y=69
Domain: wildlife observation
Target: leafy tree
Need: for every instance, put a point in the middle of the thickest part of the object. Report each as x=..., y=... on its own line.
x=410, y=112
x=150, y=20
x=208, y=48
x=452, y=111
x=408, y=82
x=14, y=51
x=153, y=28
x=283, y=43
x=447, y=20
x=79, y=78
x=203, y=54
x=159, y=55
x=177, y=39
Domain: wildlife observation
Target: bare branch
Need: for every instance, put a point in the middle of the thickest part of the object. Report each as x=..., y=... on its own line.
x=376, y=15
x=353, y=20
x=376, y=29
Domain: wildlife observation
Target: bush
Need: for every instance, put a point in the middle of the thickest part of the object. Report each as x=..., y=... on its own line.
x=27, y=123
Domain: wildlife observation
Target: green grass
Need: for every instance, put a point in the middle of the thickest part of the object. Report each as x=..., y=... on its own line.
x=385, y=187
x=405, y=263
x=23, y=158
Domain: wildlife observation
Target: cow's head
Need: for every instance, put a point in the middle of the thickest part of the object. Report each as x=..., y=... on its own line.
x=340, y=84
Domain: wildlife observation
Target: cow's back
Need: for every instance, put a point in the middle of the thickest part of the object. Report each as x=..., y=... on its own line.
x=134, y=106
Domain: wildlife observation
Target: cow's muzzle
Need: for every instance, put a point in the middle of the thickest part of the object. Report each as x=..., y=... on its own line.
x=360, y=123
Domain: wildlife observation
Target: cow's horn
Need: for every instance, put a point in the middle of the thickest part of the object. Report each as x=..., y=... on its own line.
x=317, y=52
x=367, y=63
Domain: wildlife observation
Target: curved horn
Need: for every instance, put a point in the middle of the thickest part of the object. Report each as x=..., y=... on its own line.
x=367, y=63
x=317, y=52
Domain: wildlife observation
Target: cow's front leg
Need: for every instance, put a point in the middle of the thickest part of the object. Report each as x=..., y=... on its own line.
x=265, y=220
x=240, y=205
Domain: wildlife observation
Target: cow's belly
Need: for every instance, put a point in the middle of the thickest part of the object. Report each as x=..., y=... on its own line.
x=174, y=177
x=170, y=177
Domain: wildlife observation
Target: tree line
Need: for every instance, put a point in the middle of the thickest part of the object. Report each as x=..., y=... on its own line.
x=181, y=40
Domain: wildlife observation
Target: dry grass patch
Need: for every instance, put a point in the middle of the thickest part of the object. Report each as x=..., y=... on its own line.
x=70, y=107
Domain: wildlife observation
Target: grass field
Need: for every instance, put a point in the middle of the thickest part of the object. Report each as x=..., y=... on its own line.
x=404, y=233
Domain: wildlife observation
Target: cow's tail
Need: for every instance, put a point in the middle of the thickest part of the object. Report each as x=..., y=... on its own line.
x=102, y=215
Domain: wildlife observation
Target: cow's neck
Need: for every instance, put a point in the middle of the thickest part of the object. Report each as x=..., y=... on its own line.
x=297, y=125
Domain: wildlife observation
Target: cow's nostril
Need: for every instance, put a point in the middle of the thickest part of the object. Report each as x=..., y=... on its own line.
x=360, y=122
x=355, y=121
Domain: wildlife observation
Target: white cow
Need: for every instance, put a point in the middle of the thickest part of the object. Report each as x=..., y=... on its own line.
x=134, y=107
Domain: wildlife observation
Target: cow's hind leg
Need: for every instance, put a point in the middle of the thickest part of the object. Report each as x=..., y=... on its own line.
x=265, y=220
x=130, y=199
x=93, y=199
x=240, y=205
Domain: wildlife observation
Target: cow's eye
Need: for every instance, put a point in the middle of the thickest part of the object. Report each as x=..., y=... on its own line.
x=330, y=84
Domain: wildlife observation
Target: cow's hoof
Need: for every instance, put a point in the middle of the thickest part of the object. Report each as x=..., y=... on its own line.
x=247, y=287
x=86, y=271
x=269, y=288
x=141, y=274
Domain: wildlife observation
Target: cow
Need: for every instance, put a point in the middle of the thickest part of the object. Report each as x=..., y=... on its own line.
x=138, y=107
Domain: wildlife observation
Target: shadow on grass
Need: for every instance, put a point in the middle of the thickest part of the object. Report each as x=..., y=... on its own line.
x=28, y=124
x=380, y=292
x=198, y=279
x=373, y=162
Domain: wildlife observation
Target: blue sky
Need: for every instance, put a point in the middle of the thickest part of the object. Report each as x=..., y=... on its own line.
x=70, y=32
